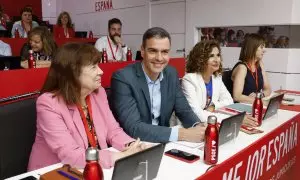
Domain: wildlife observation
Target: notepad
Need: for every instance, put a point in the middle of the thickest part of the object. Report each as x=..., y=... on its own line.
x=241, y=107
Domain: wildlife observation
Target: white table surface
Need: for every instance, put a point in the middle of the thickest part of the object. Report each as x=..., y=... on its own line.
x=171, y=168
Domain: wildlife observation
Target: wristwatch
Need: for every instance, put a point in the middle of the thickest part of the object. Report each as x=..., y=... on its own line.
x=124, y=45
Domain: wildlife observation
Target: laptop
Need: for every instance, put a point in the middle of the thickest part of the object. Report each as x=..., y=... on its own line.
x=80, y=34
x=10, y=62
x=273, y=106
x=230, y=128
x=138, y=166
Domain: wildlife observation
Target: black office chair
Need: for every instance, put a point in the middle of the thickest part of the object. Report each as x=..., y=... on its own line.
x=17, y=134
x=4, y=33
x=226, y=78
x=138, y=56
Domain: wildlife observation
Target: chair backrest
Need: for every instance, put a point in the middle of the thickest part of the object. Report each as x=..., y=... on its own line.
x=226, y=77
x=17, y=134
x=4, y=33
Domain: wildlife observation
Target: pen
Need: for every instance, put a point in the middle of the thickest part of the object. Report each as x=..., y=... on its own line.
x=66, y=175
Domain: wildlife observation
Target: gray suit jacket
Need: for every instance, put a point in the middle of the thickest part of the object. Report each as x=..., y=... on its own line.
x=130, y=103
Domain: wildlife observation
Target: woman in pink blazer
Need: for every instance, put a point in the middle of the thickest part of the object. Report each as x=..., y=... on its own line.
x=73, y=113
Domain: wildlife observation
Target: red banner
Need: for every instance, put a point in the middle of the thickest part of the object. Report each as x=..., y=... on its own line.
x=272, y=157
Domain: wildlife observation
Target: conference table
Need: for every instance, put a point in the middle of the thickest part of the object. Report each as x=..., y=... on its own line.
x=268, y=155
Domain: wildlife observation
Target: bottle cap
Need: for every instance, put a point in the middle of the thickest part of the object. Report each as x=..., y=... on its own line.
x=91, y=154
x=212, y=119
x=258, y=95
x=104, y=49
x=30, y=51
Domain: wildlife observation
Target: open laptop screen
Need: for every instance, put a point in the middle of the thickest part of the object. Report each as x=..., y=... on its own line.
x=230, y=127
x=139, y=165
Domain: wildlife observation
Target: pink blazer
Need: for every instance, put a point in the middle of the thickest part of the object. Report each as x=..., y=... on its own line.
x=61, y=136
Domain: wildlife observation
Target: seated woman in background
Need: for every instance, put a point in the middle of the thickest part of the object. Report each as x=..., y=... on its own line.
x=248, y=75
x=73, y=113
x=41, y=41
x=25, y=25
x=64, y=27
x=202, y=85
x=4, y=18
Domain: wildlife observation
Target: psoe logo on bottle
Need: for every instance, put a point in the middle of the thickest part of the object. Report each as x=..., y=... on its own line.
x=213, y=150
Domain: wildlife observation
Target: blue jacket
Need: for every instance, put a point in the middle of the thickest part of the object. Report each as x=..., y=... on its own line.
x=130, y=103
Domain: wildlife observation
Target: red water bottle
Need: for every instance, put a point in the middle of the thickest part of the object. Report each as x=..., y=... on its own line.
x=91, y=36
x=257, y=108
x=129, y=55
x=92, y=169
x=31, y=61
x=211, y=141
x=104, y=56
x=17, y=34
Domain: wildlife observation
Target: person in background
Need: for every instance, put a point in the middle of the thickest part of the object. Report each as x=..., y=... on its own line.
x=25, y=24
x=145, y=94
x=64, y=27
x=113, y=43
x=220, y=36
x=240, y=37
x=4, y=18
x=73, y=113
x=272, y=41
x=287, y=42
x=5, y=49
x=281, y=42
x=41, y=41
x=248, y=75
x=231, y=36
x=202, y=85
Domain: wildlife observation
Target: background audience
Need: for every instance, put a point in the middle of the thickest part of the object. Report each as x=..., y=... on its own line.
x=25, y=24
x=5, y=49
x=64, y=26
x=4, y=18
x=41, y=41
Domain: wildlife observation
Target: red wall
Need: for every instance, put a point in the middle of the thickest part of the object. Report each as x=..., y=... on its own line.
x=13, y=7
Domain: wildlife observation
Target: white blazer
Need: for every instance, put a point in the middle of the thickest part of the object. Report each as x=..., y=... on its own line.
x=194, y=89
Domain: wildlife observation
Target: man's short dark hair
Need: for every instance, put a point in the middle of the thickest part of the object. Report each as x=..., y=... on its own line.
x=155, y=32
x=114, y=21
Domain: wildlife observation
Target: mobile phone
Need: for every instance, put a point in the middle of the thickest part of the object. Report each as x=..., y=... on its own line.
x=29, y=178
x=181, y=155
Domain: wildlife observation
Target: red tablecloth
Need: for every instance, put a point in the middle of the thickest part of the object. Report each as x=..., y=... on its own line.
x=16, y=44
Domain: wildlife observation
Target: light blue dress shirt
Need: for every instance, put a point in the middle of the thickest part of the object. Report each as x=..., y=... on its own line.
x=22, y=32
x=155, y=99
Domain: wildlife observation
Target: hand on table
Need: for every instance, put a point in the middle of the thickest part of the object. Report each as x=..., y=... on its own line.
x=250, y=121
x=193, y=134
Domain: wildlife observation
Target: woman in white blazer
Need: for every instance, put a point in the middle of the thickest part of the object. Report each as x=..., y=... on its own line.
x=202, y=85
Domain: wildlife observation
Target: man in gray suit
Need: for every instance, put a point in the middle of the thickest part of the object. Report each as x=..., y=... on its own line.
x=145, y=94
